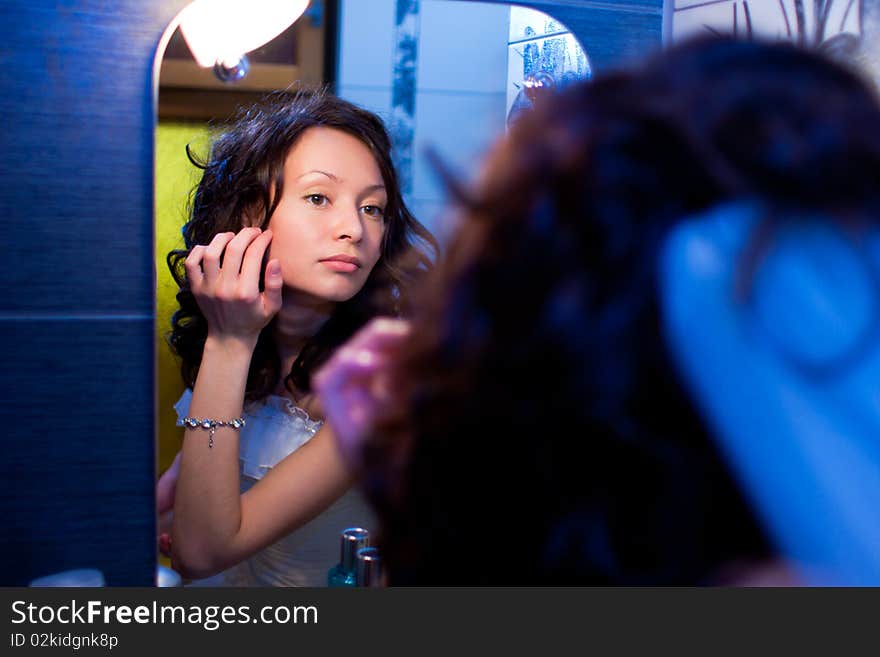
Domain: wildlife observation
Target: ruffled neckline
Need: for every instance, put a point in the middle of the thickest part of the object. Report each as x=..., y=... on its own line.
x=283, y=404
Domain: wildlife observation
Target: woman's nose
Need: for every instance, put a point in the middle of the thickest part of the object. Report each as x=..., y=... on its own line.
x=349, y=226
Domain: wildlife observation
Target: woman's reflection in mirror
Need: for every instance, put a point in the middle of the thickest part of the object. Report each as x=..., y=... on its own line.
x=298, y=235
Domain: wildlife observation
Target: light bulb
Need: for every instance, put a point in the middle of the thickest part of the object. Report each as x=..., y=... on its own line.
x=220, y=32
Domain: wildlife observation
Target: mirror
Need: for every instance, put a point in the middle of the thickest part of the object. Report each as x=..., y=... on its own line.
x=444, y=74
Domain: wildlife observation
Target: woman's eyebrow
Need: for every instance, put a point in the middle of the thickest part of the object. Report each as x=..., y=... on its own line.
x=331, y=176
x=379, y=187
x=369, y=189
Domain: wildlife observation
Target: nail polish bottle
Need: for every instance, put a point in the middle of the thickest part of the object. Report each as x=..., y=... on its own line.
x=369, y=567
x=345, y=572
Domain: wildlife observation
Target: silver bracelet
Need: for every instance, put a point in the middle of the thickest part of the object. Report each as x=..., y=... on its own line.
x=211, y=425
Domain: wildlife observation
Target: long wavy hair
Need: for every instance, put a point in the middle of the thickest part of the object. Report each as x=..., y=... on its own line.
x=544, y=435
x=245, y=165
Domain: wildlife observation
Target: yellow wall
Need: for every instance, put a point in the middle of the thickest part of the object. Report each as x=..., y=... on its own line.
x=175, y=179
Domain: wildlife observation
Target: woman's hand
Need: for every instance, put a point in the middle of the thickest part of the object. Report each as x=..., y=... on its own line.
x=229, y=294
x=353, y=384
x=166, y=488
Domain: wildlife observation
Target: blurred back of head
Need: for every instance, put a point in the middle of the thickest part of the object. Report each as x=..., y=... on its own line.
x=547, y=436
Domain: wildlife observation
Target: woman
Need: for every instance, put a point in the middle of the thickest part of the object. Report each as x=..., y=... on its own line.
x=538, y=429
x=298, y=235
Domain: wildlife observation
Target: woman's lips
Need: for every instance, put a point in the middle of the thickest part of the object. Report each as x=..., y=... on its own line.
x=342, y=263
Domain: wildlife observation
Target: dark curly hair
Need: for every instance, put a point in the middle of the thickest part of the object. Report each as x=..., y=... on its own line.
x=544, y=435
x=245, y=164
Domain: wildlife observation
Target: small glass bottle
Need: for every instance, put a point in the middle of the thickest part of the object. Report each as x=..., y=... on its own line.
x=369, y=567
x=345, y=572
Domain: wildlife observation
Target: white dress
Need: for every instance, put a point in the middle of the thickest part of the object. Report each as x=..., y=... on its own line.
x=275, y=427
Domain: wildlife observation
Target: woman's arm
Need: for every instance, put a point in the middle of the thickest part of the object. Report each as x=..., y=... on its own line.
x=211, y=535
x=207, y=505
x=214, y=526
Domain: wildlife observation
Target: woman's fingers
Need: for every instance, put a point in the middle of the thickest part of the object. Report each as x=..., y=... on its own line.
x=230, y=263
x=252, y=262
x=167, y=485
x=251, y=272
x=165, y=490
x=213, y=253
x=225, y=280
x=272, y=289
x=354, y=383
x=380, y=334
x=193, y=267
x=363, y=354
x=231, y=272
x=165, y=543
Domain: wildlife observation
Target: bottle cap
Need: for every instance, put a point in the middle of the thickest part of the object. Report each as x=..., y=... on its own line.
x=165, y=576
x=353, y=539
x=369, y=567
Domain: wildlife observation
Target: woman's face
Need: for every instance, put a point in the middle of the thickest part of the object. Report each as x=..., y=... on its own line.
x=328, y=226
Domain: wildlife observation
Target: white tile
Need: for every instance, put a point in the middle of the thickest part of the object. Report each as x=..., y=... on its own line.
x=366, y=42
x=462, y=46
x=460, y=127
x=370, y=98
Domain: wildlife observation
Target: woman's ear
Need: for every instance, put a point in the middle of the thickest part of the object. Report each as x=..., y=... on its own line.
x=804, y=447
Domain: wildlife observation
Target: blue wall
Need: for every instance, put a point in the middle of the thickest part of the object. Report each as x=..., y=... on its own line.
x=76, y=315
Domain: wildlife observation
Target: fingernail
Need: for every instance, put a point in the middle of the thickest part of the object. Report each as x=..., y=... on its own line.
x=274, y=269
x=392, y=325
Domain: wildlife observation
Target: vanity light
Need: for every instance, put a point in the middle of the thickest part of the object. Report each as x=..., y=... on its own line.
x=220, y=32
x=538, y=85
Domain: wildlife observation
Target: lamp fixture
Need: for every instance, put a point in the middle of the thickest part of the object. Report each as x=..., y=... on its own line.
x=220, y=33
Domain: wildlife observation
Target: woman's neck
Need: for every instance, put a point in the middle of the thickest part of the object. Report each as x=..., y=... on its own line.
x=299, y=319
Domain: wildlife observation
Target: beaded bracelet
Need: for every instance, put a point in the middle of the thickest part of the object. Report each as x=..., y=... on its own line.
x=211, y=425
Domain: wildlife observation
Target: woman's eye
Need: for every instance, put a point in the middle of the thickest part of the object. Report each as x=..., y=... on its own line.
x=374, y=211
x=317, y=199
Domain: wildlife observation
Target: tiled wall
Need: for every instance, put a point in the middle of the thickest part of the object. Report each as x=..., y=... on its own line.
x=469, y=69
x=461, y=74
x=76, y=314
x=460, y=94
x=364, y=72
